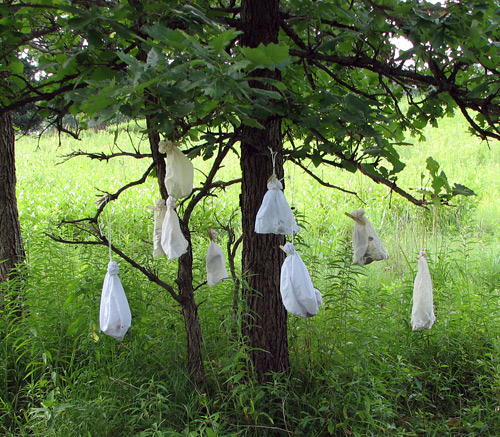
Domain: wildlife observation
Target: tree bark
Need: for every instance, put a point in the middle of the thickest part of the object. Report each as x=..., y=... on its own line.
x=11, y=246
x=265, y=319
x=190, y=312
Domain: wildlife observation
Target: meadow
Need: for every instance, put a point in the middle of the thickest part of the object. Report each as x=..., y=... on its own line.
x=358, y=369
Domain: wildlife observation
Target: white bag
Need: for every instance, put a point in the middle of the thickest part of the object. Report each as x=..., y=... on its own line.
x=179, y=172
x=215, y=261
x=274, y=215
x=366, y=243
x=114, y=313
x=297, y=292
x=159, y=215
x=173, y=242
x=422, y=315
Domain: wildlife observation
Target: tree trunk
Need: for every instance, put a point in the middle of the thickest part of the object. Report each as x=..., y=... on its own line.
x=11, y=246
x=184, y=278
x=190, y=312
x=264, y=323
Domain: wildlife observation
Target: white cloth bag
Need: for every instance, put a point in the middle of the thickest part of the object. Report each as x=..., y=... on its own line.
x=179, y=171
x=114, y=312
x=297, y=292
x=274, y=215
x=365, y=241
x=422, y=315
x=215, y=261
x=159, y=215
x=173, y=242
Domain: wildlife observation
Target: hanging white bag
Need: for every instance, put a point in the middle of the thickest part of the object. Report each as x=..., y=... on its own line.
x=159, y=210
x=215, y=261
x=275, y=215
x=422, y=315
x=114, y=312
x=179, y=171
x=365, y=241
x=173, y=242
x=297, y=292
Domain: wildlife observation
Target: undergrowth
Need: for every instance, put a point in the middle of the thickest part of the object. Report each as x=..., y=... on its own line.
x=356, y=369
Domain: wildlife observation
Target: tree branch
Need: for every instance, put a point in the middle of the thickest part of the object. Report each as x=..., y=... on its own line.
x=104, y=200
x=103, y=241
x=103, y=156
x=322, y=182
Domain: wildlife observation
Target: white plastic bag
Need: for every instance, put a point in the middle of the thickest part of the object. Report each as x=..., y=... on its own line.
x=297, y=292
x=366, y=243
x=179, y=172
x=215, y=261
x=159, y=215
x=422, y=315
x=173, y=242
x=274, y=215
x=114, y=313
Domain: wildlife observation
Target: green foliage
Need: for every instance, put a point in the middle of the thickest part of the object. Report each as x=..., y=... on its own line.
x=346, y=94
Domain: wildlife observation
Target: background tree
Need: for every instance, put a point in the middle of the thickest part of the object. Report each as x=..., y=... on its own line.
x=11, y=246
x=326, y=76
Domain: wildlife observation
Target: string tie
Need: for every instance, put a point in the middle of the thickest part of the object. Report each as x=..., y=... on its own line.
x=273, y=159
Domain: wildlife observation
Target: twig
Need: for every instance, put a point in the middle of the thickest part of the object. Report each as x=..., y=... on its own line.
x=110, y=197
x=102, y=156
x=103, y=241
x=322, y=182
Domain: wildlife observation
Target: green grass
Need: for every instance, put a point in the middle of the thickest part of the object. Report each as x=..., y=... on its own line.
x=357, y=367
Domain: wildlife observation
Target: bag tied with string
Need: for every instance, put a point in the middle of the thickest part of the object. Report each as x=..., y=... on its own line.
x=366, y=243
x=422, y=315
x=275, y=215
x=159, y=210
x=215, y=261
x=179, y=171
x=173, y=242
x=297, y=292
x=114, y=312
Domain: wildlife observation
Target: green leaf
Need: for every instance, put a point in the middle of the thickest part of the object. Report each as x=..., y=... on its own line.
x=176, y=38
x=219, y=42
x=216, y=89
x=154, y=56
x=462, y=190
x=479, y=90
x=269, y=56
x=432, y=165
x=16, y=67
x=183, y=109
x=157, y=32
x=348, y=165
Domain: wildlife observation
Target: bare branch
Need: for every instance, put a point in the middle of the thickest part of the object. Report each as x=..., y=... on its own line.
x=322, y=182
x=111, y=197
x=103, y=156
x=103, y=241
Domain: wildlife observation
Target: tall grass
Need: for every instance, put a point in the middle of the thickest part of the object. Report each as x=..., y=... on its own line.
x=357, y=367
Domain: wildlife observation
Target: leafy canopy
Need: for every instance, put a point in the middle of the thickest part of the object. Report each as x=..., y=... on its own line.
x=347, y=97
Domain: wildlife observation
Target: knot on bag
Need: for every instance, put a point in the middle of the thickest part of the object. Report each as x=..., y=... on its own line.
x=160, y=204
x=289, y=248
x=162, y=146
x=274, y=184
x=113, y=268
x=213, y=235
x=166, y=146
x=358, y=215
x=171, y=202
x=423, y=253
